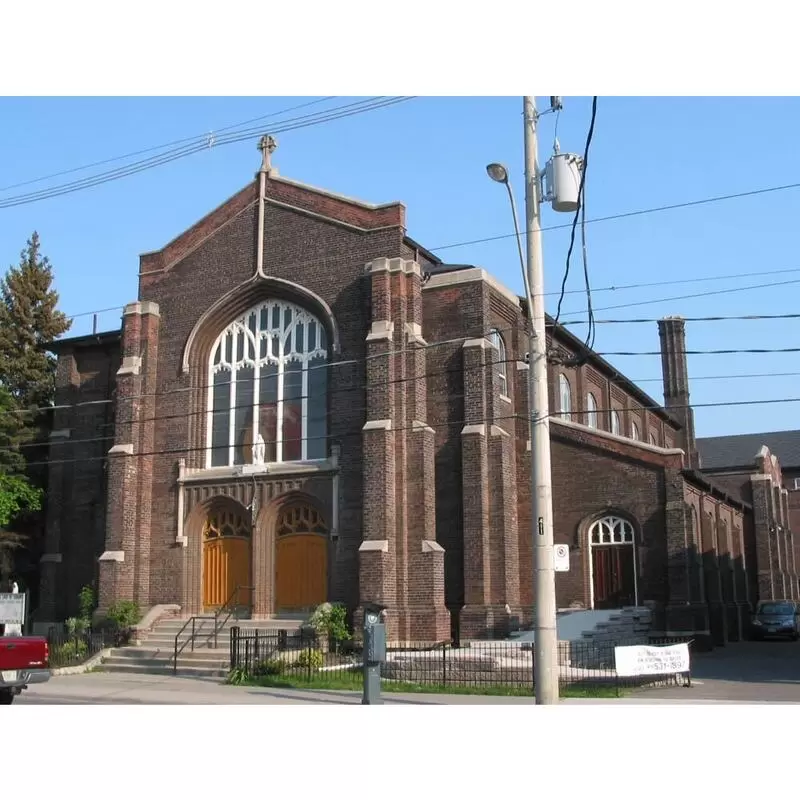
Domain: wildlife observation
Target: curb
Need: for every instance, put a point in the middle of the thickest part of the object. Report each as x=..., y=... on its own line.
x=96, y=659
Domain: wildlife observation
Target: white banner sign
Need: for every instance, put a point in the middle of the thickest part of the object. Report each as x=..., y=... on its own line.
x=643, y=660
x=561, y=558
x=12, y=609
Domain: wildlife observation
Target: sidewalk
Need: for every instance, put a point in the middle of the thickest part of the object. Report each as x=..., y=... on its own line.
x=109, y=688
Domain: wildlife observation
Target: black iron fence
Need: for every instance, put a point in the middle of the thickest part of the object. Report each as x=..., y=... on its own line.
x=302, y=657
x=72, y=649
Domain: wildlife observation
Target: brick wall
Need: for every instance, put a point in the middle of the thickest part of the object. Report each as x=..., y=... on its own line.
x=320, y=255
x=82, y=433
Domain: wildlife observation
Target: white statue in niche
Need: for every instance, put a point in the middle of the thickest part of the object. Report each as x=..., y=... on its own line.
x=259, y=450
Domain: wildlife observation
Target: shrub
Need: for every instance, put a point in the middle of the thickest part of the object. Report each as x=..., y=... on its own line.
x=271, y=666
x=72, y=650
x=237, y=676
x=76, y=626
x=330, y=619
x=123, y=614
x=309, y=659
x=86, y=603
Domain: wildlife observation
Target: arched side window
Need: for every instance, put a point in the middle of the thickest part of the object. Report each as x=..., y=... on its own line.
x=497, y=342
x=268, y=377
x=611, y=530
x=564, y=397
x=653, y=440
x=615, y=425
x=635, y=435
x=591, y=411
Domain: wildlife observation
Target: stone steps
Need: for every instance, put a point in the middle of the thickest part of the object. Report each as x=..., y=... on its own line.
x=210, y=658
x=629, y=625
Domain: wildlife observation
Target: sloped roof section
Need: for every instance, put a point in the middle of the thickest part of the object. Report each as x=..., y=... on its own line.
x=719, y=452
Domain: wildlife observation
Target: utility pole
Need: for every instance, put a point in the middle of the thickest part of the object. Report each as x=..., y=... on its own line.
x=546, y=668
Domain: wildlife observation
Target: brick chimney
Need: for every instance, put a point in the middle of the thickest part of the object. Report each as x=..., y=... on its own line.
x=675, y=372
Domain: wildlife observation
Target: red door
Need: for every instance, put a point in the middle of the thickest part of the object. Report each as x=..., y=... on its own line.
x=613, y=576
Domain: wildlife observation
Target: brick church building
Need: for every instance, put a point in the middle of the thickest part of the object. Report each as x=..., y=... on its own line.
x=305, y=403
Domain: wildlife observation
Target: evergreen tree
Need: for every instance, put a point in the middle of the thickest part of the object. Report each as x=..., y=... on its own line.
x=29, y=319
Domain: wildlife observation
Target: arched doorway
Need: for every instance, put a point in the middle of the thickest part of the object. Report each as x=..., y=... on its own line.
x=613, y=563
x=227, y=548
x=301, y=559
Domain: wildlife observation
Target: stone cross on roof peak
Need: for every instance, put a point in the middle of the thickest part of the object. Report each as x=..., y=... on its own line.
x=267, y=145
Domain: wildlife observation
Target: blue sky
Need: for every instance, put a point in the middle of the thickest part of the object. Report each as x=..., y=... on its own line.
x=430, y=153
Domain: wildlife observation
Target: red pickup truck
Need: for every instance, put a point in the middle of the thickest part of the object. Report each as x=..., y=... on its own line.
x=23, y=660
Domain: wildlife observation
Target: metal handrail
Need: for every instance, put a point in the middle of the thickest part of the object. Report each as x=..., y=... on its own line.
x=177, y=651
x=229, y=606
x=223, y=608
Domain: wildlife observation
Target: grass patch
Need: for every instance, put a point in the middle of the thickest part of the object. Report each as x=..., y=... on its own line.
x=356, y=685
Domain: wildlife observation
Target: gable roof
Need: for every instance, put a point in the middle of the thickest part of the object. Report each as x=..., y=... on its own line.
x=719, y=452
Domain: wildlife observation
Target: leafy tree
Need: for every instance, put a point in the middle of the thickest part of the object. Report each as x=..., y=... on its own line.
x=17, y=495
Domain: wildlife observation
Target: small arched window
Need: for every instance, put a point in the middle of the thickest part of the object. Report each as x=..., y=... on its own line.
x=653, y=440
x=501, y=364
x=564, y=397
x=611, y=530
x=635, y=435
x=268, y=379
x=615, y=426
x=591, y=411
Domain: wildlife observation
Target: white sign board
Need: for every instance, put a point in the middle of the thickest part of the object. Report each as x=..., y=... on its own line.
x=12, y=609
x=561, y=558
x=644, y=660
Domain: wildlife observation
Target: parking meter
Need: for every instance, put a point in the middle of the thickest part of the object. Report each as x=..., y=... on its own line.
x=374, y=653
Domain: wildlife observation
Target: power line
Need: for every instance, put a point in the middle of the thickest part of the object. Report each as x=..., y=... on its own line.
x=737, y=318
x=333, y=391
x=731, y=276
x=627, y=214
x=580, y=209
x=711, y=293
x=338, y=437
x=732, y=351
x=136, y=167
x=180, y=152
x=199, y=137
x=722, y=377
x=428, y=346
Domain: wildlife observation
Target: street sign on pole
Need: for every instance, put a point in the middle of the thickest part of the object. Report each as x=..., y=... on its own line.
x=561, y=558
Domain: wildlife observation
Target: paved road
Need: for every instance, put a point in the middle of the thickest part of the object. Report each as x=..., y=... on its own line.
x=744, y=673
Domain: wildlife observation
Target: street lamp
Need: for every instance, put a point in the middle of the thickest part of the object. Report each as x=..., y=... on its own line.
x=499, y=174
x=545, y=664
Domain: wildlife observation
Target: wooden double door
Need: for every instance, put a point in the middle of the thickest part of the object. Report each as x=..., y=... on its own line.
x=301, y=572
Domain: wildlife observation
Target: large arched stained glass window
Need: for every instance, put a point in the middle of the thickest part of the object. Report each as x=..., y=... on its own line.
x=268, y=376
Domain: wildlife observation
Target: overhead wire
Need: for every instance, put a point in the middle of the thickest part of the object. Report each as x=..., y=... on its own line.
x=722, y=318
x=624, y=287
x=581, y=206
x=362, y=387
x=196, y=146
x=467, y=420
x=204, y=137
x=340, y=112
x=627, y=214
